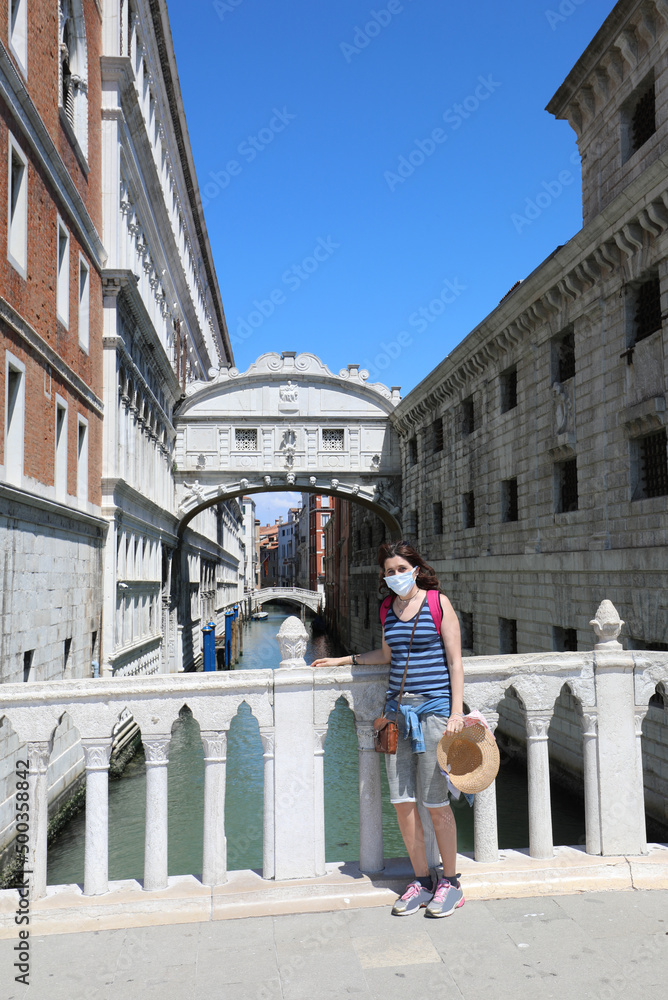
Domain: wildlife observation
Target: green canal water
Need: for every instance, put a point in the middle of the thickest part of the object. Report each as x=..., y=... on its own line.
x=244, y=793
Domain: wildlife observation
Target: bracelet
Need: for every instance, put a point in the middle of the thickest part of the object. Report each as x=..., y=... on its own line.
x=353, y=659
x=456, y=714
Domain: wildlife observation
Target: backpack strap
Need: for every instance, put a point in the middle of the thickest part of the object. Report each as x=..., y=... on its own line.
x=384, y=608
x=434, y=598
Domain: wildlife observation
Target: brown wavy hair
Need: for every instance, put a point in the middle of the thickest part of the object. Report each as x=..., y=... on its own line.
x=426, y=578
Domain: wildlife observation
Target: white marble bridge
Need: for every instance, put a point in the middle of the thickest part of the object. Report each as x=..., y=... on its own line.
x=312, y=599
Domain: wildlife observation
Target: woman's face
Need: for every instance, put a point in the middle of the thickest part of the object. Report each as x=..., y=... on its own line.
x=397, y=564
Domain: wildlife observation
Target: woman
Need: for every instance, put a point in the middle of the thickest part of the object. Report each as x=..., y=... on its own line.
x=432, y=703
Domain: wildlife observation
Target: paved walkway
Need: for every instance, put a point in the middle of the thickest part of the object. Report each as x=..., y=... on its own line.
x=603, y=946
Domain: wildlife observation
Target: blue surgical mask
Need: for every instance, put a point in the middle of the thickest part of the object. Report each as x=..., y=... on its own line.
x=402, y=583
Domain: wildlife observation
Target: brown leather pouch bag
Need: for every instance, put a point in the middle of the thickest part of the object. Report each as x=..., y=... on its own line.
x=385, y=735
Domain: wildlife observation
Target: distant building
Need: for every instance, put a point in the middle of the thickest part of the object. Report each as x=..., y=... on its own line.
x=269, y=555
x=319, y=513
x=288, y=535
x=338, y=546
x=251, y=554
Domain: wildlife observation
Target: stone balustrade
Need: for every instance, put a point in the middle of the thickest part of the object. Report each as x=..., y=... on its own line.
x=292, y=706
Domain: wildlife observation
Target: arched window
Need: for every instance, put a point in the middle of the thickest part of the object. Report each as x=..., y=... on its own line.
x=73, y=70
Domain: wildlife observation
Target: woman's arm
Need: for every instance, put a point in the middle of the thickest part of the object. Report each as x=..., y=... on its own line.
x=453, y=648
x=376, y=657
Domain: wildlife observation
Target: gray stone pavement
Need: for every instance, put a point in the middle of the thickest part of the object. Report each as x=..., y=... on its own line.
x=604, y=946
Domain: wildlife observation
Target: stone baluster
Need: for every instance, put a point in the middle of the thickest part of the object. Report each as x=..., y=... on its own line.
x=538, y=766
x=96, y=853
x=38, y=762
x=371, y=806
x=268, y=846
x=214, y=853
x=155, y=839
x=319, y=737
x=639, y=717
x=485, y=828
x=590, y=764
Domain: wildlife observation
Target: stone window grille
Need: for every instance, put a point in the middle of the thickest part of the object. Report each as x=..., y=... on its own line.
x=245, y=439
x=647, y=317
x=652, y=466
x=563, y=356
x=437, y=434
x=564, y=640
x=507, y=635
x=466, y=627
x=468, y=416
x=643, y=119
x=509, y=508
x=468, y=510
x=508, y=389
x=566, y=483
x=437, y=510
x=332, y=439
x=413, y=450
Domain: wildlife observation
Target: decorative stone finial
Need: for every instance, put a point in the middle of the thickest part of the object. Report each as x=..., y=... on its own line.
x=607, y=625
x=292, y=638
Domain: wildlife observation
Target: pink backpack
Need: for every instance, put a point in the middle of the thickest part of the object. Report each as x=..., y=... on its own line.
x=433, y=599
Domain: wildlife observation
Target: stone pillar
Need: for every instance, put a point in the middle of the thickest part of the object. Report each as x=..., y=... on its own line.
x=485, y=828
x=214, y=853
x=155, y=839
x=371, y=806
x=298, y=818
x=621, y=793
x=538, y=766
x=96, y=855
x=268, y=846
x=639, y=715
x=590, y=761
x=319, y=737
x=38, y=762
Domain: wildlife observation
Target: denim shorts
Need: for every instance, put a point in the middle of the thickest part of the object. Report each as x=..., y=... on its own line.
x=404, y=766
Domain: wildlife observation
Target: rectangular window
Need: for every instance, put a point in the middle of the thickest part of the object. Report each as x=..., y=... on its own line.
x=652, y=466
x=507, y=635
x=14, y=420
x=566, y=486
x=468, y=510
x=413, y=451
x=468, y=416
x=332, y=439
x=564, y=640
x=17, y=209
x=643, y=119
x=67, y=646
x=245, y=440
x=563, y=356
x=437, y=435
x=414, y=523
x=437, y=511
x=466, y=627
x=509, y=511
x=18, y=32
x=82, y=459
x=356, y=607
x=647, y=309
x=60, y=470
x=28, y=657
x=367, y=612
x=508, y=389
x=84, y=304
x=63, y=275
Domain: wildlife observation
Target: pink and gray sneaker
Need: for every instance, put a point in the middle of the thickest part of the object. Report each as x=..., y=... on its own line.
x=445, y=900
x=413, y=898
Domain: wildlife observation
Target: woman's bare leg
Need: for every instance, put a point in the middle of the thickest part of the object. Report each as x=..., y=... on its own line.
x=412, y=832
x=445, y=828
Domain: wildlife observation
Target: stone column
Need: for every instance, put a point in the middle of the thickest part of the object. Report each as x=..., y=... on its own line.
x=538, y=766
x=214, y=853
x=319, y=737
x=96, y=854
x=371, y=806
x=639, y=715
x=590, y=762
x=268, y=846
x=38, y=762
x=485, y=828
x=155, y=839
x=621, y=793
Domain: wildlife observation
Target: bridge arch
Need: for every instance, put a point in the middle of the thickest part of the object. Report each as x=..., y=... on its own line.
x=311, y=599
x=288, y=424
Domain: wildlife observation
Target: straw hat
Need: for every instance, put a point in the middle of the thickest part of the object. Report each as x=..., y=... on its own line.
x=469, y=758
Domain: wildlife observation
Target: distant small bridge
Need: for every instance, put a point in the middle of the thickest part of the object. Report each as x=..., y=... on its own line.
x=312, y=599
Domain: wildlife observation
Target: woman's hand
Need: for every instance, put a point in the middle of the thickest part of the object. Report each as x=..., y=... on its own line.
x=330, y=661
x=455, y=724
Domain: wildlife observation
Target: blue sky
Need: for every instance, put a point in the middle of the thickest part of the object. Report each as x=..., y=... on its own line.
x=366, y=168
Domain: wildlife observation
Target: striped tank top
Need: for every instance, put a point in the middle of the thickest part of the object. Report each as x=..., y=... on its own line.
x=427, y=669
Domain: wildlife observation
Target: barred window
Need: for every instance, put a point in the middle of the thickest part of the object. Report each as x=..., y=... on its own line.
x=564, y=640
x=563, y=356
x=507, y=635
x=245, y=439
x=468, y=510
x=332, y=439
x=413, y=451
x=647, y=316
x=509, y=510
x=466, y=628
x=508, y=389
x=437, y=509
x=468, y=416
x=566, y=483
x=652, y=466
x=437, y=434
x=643, y=119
